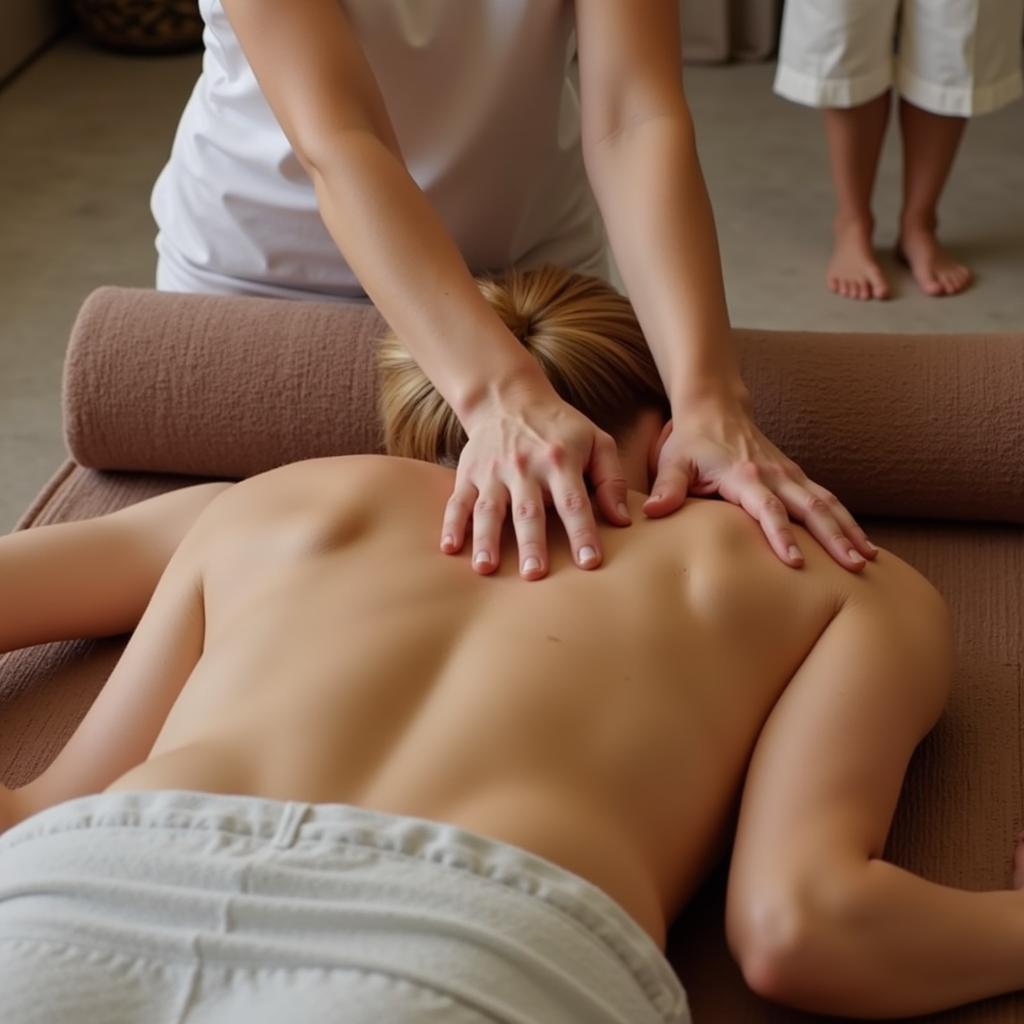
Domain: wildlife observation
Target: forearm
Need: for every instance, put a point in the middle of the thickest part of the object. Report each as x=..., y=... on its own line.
x=410, y=267
x=652, y=195
x=898, y=945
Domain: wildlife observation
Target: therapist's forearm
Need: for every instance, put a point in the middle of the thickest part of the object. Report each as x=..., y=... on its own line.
x=410, y=267
x=655, y=204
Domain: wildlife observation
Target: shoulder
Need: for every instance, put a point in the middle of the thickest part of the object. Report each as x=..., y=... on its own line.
x=892, y=584
x=892, y=610
x=324, y=495
x=889, y=598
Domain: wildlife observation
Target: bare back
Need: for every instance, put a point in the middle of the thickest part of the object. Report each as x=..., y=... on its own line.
x=601, y=719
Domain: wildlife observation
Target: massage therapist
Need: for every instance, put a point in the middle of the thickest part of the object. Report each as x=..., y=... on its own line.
x=338, y=149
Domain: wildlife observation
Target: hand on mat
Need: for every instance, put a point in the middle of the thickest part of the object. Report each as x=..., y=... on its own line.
x=715, y=447
x=524, y=451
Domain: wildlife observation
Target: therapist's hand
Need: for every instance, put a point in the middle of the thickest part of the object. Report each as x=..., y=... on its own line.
x=715, y=447
x=527, y=449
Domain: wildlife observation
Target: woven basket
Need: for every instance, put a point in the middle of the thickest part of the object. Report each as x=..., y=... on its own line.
x=142, y=26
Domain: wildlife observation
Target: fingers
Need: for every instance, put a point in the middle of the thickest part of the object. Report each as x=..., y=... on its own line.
x=853, y=532
x=515, y=463
x=749, y=491
x=608, y=482
x=572, y=503
x=488, y=517
x=839, y=513
x=489, y=506
x=669, y=491
x=820, y=512
x=456, y=518
x=529, y=519
x=825, y=518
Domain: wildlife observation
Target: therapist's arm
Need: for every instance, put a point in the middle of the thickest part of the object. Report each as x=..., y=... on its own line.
x=641, y=159
x=323, y=92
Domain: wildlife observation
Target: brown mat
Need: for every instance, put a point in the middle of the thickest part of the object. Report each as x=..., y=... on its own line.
x=963, y=801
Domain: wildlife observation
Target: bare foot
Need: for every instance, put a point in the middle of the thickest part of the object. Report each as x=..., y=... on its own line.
x=853, y=271
x=935, y=271
x=1018, y=862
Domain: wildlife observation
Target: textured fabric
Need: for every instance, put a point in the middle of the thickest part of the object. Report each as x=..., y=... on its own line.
x=228, y=387
x=179, y=906
x=956, y=57
x=486, y=118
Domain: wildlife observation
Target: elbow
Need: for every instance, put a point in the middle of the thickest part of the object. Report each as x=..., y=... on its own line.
x=771, y=945
x=324, y=151
x=788, y=943
x=611, y=129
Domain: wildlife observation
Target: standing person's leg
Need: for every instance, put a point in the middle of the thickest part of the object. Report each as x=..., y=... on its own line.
x=957, y=60
x=930, y=142
x=855, y=139
x=837, y=55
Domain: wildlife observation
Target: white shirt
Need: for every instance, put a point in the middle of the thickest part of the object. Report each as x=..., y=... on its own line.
x=487, y=119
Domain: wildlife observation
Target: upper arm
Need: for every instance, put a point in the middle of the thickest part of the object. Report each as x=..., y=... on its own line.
x=311, y=70
x=93, y=577
x=829, y=764
x=123, y=722
x=630, y=65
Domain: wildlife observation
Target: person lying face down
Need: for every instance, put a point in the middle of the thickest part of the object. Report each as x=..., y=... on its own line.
x=335, y=770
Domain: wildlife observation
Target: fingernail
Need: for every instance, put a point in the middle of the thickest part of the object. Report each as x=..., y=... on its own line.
x=623, y=511
x=856, y=556
x=656, y=497
x=482, y=558
x=531, y=564
x=871, y=547
x=587, y=553
x=449, y=541
x=795, y=553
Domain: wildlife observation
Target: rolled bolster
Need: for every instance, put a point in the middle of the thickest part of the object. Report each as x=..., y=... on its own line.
x=927, y=426
x=218, y=386
x=906, y=425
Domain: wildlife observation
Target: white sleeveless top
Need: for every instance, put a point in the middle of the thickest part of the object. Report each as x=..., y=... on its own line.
x=487, y=119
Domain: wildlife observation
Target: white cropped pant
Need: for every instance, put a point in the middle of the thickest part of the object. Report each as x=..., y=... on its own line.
x=955, y=57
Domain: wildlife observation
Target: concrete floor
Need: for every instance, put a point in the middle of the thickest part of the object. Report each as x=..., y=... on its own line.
x=84, y=135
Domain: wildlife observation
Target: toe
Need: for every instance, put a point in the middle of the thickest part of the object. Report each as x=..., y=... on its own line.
x=878, y=285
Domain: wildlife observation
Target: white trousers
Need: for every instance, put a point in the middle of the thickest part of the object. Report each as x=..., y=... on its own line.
x=955, y=57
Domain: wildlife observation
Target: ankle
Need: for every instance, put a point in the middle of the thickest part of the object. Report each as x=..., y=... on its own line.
x=859, y=221
x=916, y=222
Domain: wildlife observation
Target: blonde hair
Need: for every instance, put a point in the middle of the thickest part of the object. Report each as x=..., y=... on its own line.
x=583, y=333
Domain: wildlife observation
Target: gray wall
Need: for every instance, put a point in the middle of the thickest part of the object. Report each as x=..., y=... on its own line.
x=25, y=26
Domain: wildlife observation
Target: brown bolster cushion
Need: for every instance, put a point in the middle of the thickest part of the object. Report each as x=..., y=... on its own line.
x=925, y=426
